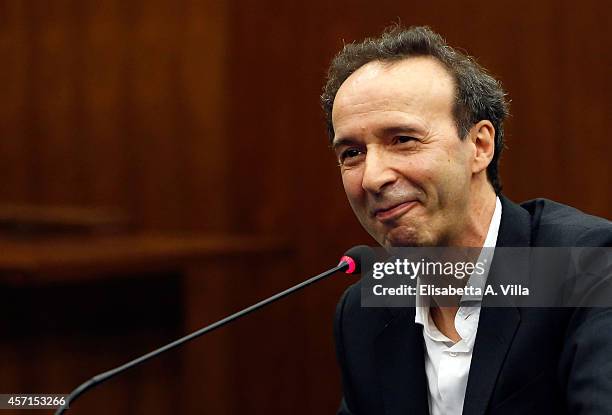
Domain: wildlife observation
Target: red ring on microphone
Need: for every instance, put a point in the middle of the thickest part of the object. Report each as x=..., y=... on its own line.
x=351, y=263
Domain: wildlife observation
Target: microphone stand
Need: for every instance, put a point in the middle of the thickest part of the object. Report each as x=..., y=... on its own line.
x=96, y=380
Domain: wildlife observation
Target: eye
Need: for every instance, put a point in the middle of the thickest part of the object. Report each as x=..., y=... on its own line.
x=351, y=152
x=349, y=155
x=404, y=139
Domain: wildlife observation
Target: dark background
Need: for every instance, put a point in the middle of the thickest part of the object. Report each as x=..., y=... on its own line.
x=201, y=117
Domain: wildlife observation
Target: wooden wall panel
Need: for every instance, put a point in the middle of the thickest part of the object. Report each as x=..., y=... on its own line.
x=117, y=104
x=13, y=106
x=202, y=107
x=56, y=161
x=103, y=78
x=585, y=113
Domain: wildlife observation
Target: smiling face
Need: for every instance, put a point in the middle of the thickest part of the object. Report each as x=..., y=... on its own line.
x=407, y=174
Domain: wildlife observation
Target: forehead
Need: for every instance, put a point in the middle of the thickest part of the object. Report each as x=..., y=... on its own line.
x=418, y=86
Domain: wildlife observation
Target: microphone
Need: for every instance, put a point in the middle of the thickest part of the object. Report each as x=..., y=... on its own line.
x=350, y=263
x=355, y=258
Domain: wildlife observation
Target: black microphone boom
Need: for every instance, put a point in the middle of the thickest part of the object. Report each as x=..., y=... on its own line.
x=349, y=263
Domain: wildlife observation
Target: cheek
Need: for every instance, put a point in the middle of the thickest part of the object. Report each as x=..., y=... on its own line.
x=437, y=176
x=453, y=179
x=351, y=180
x=421, y=171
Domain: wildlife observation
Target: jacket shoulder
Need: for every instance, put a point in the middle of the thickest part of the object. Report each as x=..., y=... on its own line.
x=556, y=224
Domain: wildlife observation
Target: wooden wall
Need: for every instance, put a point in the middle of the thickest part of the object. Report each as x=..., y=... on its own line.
x=118, y=104
x=204, y=115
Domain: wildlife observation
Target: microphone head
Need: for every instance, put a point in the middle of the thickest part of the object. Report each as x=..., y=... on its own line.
x=355, y=257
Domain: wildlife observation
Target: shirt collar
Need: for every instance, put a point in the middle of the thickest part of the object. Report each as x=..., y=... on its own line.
x=491, y=239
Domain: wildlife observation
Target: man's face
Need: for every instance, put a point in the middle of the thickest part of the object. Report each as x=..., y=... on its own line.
x=405, y=170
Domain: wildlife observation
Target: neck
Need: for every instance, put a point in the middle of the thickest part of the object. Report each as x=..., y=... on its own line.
x=444, y=319
x=481, y=207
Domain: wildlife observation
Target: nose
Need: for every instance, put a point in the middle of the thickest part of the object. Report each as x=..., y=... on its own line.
x=377, y=173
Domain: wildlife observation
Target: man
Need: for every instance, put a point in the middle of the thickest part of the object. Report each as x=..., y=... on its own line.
x=417, y=128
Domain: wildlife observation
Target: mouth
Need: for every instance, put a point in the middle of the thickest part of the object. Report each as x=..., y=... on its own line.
x=394, y=212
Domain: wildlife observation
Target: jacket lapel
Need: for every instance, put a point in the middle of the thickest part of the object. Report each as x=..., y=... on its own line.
x=496, y=330
x=497, y=325
x=399, y=355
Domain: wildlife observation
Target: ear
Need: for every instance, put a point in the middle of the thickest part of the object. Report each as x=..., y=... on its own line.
x=482, y=135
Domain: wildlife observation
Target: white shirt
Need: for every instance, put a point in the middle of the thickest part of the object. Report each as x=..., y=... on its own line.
x=447, y=364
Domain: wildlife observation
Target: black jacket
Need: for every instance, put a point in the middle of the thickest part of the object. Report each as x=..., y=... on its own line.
x=525, y=360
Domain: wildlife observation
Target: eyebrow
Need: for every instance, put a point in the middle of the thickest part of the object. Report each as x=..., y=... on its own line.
x=342, y=142
x=402, y=128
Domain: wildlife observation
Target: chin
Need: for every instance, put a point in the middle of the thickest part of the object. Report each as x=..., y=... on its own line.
x=407, y=236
